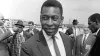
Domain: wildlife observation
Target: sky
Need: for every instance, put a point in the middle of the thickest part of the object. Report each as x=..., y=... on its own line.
x=29, y=10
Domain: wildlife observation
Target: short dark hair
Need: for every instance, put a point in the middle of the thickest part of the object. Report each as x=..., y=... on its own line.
x=98, y=18
x=30, y=22
x=52, y=3
x=93, y=17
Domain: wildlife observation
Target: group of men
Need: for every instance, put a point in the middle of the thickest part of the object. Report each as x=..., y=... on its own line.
x=49, y=41
x=11, y=39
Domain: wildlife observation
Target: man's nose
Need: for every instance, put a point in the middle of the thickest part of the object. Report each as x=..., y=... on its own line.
x=50, y=21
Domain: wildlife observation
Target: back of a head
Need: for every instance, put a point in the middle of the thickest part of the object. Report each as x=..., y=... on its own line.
x=93, y=17
x=52, y=3
x=75, y=22
x=31, y=22
x=98, y=18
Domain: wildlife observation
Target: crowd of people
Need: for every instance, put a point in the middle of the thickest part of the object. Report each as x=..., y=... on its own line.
x=51, y=40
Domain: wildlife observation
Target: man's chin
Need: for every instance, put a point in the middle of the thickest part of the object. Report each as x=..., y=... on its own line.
x=50, y=34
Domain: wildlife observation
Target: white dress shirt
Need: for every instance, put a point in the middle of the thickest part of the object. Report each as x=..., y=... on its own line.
x=59, y=41
x=77, y=31
x=97, y=31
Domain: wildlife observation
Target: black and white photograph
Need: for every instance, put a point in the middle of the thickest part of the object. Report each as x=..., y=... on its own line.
x=49, y=27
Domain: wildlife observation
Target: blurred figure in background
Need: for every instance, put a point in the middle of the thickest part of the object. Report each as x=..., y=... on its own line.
x=63, y=28
x=4, y=34
x=94, y=25
x=29, y=32
x=75, y=30
x=84, y=43
x=17, y=38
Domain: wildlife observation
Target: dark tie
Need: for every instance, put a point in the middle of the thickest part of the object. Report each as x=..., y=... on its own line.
x=56, y=47
x=84, y=39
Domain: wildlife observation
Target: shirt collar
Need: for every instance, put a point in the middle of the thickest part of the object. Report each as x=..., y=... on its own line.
x=86, y=35
x=57, y=35
x=21, y=33
x=97, y=31
x=45, y=35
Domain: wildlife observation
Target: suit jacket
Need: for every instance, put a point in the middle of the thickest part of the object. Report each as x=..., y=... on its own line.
x=82, y=50
x=96, y=48
x=27, y=35
x=3, y=44
x=37, y=45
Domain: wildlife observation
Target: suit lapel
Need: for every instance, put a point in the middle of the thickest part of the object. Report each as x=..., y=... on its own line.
x=65, y=42
x=80, y=39
x=89, y=38
x=42, y=45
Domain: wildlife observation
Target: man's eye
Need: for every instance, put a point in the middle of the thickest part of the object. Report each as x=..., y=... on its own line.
x=44, y=17
x=55, y=17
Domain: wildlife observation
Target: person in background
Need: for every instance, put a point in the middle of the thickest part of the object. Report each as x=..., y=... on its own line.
x=94, y=25
x=4, y=33
x=31, y=31
x=63, y=29
x=84, y=43
x=49, y=41
x=17, y=38
x=74, y=30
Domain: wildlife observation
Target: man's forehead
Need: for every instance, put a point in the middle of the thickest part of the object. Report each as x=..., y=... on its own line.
x=50, y=10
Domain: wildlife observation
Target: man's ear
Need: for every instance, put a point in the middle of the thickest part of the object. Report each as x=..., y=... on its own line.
x=62, y=19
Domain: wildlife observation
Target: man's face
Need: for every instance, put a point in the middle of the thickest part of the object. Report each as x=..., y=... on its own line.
x=30, y=26
x=86, y=30
x=92, y=26
x=1, y=21
x=50, y=20
x=17, y=29
x=20, y=29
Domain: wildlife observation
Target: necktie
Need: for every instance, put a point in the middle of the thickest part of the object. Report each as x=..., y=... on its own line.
x=56, y=47
x=84, y=39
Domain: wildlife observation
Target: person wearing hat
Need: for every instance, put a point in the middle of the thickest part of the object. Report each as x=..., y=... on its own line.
x=17, y=38
x=74, y=31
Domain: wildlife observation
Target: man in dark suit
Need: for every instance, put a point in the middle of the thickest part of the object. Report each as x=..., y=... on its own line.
x=84, y=43
x=29, y=32
x=49, y=41
x=94, y=25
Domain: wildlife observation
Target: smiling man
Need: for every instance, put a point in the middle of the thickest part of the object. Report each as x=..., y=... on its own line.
x=49, y=41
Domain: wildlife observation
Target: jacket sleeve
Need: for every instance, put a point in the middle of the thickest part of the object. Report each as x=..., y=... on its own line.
x=77, y=47
x=5, y=35
x=24, y=51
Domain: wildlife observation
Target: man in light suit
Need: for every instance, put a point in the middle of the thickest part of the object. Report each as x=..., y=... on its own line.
x=49, y=41
x=29, y=32
x=4, y=34
x=84, y=43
